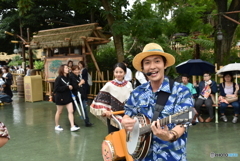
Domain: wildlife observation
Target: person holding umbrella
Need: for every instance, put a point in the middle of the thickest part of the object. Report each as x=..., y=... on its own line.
x=206, y=88
x=62, y=90
x=77, y=83
x=228, y=89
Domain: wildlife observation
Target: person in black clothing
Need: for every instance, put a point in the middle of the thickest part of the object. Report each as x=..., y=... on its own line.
x=70, y=65
x=77, y=83
x=86, y=87
x=7, y=78
x=62, y=90
x=84, y=74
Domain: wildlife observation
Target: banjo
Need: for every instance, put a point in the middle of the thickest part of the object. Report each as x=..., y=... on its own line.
x=139, y=139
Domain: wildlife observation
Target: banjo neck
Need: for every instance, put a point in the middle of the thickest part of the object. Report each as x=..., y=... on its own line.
x=147, y=128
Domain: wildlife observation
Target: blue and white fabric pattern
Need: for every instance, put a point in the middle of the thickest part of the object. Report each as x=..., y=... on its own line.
x=143, y=99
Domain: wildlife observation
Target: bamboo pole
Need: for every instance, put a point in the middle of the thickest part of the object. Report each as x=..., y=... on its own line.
x=103, y=79
x=93, y=58
x=231, y=12
x=91, y=73
x=69, y=27
x=199, y=79
x=99, y=85
x=63, y=33
x=231, y=19
x=95, y=85
x=194, y=81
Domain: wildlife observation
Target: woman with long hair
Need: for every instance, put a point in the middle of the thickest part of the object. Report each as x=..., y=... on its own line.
x=70, y=65
x=112, y=97
x=62, y=90
x=228, y=89
x=77, y=83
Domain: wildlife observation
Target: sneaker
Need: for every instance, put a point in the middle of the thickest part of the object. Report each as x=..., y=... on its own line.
x=224, y=118
x=235, y=118
x=58, y=128
x=74, y=128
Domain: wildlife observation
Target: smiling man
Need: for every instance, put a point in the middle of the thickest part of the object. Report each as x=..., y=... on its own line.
x=168, y=142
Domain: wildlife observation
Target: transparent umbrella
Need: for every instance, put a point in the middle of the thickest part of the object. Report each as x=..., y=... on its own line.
x=233, y=67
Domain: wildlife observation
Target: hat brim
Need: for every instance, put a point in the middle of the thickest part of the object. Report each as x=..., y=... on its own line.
x=137, y=60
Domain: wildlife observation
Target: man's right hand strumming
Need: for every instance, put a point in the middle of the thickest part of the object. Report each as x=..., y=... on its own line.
x=128, y=122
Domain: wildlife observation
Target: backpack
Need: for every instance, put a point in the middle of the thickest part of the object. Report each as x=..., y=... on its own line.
x=89, y=80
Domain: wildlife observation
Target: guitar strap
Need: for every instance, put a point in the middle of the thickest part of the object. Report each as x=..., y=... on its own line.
x=161, y=101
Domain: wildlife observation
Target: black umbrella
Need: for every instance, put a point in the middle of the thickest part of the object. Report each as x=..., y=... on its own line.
x=195, y=67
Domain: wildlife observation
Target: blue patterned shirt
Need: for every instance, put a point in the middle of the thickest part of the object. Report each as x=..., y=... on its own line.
x=143, y=99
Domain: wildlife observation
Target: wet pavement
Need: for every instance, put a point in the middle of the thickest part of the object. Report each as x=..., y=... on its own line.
x=33, y=138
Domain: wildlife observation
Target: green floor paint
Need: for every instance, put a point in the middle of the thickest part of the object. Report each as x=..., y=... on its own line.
x=33, y=138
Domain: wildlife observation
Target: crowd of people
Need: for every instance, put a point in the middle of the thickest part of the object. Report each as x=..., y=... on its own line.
x=228, y=95
x=140, y=97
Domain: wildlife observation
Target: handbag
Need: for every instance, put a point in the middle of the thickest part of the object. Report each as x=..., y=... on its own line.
x=231, y=99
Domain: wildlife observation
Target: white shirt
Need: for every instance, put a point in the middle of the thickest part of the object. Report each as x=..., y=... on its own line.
x=128, y=76
x=1, y=82
x=140, y=77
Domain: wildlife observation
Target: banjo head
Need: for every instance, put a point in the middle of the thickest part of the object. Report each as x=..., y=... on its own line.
x=107, y=150
x=133, y=138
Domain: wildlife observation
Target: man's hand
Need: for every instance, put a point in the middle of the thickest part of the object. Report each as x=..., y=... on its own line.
x=161, y=132
x=128, y=123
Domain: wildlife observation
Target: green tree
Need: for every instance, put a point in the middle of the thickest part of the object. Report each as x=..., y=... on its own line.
x=228, y=27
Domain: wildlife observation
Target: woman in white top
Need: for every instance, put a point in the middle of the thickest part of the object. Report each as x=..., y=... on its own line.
x=228, y=89
x=112, y=97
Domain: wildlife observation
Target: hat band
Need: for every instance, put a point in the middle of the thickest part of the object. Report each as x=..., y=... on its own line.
x=156, y=50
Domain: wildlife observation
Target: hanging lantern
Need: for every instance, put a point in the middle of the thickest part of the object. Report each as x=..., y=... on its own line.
x=219, y=35
x=15, y=51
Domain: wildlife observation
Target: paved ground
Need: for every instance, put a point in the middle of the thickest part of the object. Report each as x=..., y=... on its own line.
x=33, y=138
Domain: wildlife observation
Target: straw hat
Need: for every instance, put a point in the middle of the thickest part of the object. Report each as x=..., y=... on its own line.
x=149, y=50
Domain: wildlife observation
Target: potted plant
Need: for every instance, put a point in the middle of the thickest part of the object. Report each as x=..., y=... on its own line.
x=38, y=65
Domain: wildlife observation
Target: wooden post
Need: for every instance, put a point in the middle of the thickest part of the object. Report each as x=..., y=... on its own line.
x=29, y=51
x=95, y=85
x=216, y=79
x=94, y=60
x=221, y=79
x=194, y=80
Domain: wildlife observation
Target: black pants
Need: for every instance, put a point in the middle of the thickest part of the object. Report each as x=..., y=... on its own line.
x=7, y=89
x=208, y=103
x=110, y=127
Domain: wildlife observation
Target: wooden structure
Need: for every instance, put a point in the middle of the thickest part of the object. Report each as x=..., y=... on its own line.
x=69, y=43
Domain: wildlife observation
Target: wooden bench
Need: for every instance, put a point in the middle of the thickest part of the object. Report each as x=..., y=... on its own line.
x=216, y=105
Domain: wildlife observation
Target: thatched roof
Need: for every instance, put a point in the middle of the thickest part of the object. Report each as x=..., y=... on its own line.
x=69, y=36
